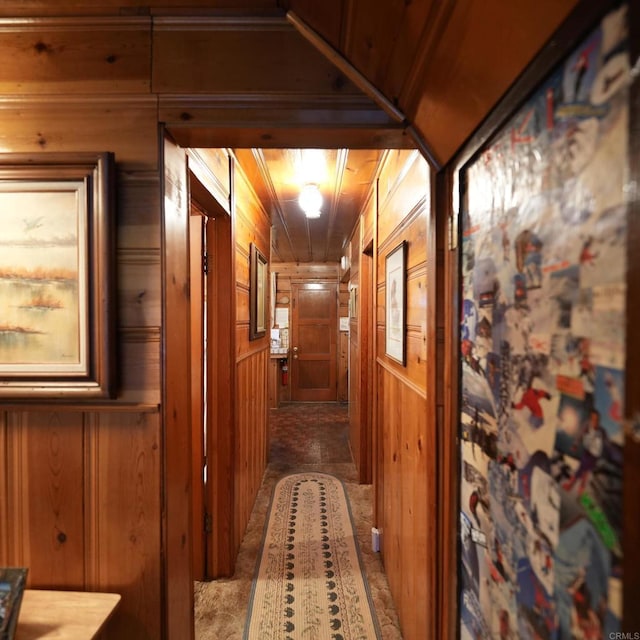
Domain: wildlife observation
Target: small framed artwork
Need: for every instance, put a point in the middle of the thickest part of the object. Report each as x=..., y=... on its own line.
x=395, y=304
x=258, y=293
x=353, y=301
x=56, y=282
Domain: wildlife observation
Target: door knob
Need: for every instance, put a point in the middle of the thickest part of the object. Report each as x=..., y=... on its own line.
x=295, y=349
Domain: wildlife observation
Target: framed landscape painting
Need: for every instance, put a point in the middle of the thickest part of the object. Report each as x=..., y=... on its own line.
x=258, y=292
x=55, y=275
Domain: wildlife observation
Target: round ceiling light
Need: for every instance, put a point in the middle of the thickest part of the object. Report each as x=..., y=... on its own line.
x=310, y=200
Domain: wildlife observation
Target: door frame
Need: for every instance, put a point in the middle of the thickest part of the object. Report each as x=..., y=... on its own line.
x=219, y=442
x=367, y=359
x=197, y=220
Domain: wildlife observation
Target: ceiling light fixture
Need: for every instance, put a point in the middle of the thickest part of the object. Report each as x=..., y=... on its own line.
x=310, y=200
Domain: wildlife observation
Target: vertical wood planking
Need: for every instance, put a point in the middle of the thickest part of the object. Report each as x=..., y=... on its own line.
x=45, y=475
x=251, y=225
x=251, y=450
x=48, y=455
x=407, y=476
x=177, y=407
x=123, y=499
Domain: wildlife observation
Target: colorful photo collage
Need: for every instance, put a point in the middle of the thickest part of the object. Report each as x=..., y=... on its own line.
x=542, y=348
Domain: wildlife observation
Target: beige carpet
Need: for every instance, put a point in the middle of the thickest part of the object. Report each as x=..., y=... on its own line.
x=309, y=581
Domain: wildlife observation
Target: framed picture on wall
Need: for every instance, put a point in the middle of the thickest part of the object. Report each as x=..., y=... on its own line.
x=258, y=293
x=56, y=282
x=353, y=301
x=395, y=303
x=543, y=215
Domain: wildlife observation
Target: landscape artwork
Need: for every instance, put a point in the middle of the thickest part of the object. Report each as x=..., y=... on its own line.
x=43, y=279
x=542, y=356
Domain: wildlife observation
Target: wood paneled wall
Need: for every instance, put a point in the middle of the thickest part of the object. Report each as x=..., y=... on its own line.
x=406, y=477
x=81, y=485
x=251, y=224
x=81, y=508
x=81, y=492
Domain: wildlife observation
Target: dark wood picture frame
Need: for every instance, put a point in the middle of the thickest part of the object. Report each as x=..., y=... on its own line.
x=57, y=276
x=395, y=343
x=258, y=293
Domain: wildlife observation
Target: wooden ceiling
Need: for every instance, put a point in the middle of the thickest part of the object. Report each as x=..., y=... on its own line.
x=343, y=177
x=350, y=76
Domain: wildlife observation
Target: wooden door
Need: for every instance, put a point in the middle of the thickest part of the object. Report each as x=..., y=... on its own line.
x=196, y=233
x=219, y=490
x=314, y=332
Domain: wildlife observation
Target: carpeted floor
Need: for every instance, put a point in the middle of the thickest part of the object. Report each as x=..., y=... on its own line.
x=305, y=437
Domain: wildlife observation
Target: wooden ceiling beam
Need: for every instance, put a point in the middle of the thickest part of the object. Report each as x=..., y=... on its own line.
x=360, y=81
x=341, y=63
x=246, y=137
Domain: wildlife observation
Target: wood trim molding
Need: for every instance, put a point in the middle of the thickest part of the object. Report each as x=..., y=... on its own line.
x=221, y=23
x=89, y=101
x=631, y=465
x=94, y=407
x=73, y=23
x=177, y=585
x=398, y=373
x=341, y=63
x=201, y=170
x=434, y=29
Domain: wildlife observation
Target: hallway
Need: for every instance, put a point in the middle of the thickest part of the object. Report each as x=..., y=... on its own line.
x=303, y=437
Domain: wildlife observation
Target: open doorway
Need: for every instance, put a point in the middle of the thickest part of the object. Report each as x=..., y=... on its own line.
x=212, y=430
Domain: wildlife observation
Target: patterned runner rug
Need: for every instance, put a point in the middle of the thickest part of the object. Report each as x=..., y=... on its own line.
x=309, y=581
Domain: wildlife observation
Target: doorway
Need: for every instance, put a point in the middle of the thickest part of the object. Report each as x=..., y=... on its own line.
x=313, y=342
x=211, y=381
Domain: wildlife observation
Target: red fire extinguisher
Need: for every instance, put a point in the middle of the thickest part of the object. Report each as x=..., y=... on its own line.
x=285, y=372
